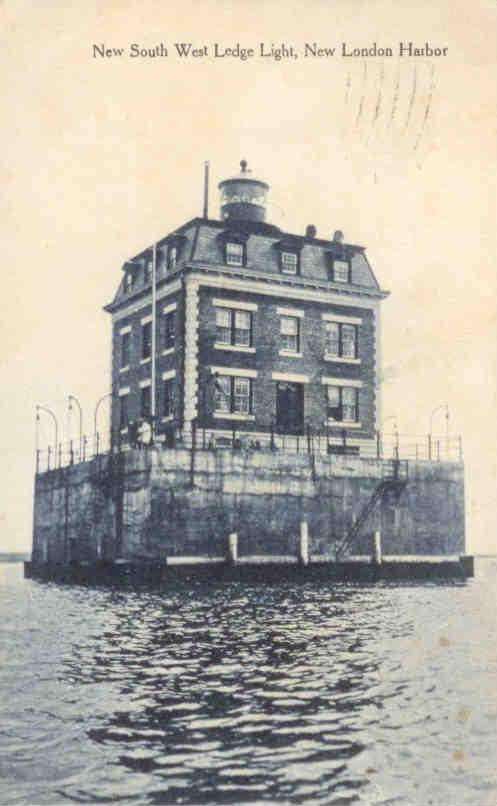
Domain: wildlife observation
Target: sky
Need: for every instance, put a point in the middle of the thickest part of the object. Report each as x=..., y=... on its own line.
x=103, y=156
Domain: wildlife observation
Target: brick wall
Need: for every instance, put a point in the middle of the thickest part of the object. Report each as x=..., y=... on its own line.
x=140, y=370
x=266, y=359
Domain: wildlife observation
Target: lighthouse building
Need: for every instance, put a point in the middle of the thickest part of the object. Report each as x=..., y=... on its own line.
x=232, y=326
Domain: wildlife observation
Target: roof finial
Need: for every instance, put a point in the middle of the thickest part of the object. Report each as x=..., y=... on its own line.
x=243, y=165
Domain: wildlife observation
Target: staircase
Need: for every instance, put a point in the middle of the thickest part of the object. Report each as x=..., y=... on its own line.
x=394, y=478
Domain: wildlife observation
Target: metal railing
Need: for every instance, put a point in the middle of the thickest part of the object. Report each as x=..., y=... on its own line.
x=312, y=441
x=73, y=452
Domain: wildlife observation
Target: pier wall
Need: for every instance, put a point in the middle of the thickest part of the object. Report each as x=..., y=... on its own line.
x=152, y=504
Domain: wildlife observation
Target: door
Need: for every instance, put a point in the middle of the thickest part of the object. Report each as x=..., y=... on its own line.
x=289, y=408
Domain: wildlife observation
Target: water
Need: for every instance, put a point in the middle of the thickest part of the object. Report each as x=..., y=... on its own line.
x=245, y=694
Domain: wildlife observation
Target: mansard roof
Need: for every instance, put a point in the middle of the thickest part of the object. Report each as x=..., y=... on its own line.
x=199, y=243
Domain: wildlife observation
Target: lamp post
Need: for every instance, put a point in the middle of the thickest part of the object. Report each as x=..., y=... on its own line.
x=104, y=397
x=445, y=407
x=71, y=399
x=54, y=418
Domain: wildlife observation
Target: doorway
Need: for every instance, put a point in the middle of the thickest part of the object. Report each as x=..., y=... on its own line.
x=289, y=408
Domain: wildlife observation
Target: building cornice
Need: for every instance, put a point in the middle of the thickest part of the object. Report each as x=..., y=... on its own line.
x=292, y=288
x=130, y=305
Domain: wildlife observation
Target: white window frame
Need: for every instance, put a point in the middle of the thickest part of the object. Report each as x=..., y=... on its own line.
x=125, y=337
x=232, y=413
x=339, y=357
x=285, y=349
x=344, y=384
x=172, y=257
x=232, y=344
x=339, y=265
x=293, y=268
x=228, y=259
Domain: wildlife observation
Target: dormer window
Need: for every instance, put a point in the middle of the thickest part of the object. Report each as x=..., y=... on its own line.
x=175, y=245
x=289, y=263
x=234, y=254
x=147, y=271
x=172, y=257
x=232, y=245
x=129, y=280
x=341, y=271
x=289, y=249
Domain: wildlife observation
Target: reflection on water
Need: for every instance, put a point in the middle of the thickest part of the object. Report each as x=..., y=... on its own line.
x=237, y=693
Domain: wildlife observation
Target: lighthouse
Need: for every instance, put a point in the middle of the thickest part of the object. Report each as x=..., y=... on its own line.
x=243, y=197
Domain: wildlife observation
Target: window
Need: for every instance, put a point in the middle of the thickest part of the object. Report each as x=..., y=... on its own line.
x=342, y=403
x=241, y=395
x=233, y=394
x=123, y=411
x=145, y=402
x=223, y=393
x=129, y=281
x=341, y=340
x=290, y=333
x=341, y=271
x=233, y=327
x=125, y=349
x=349, y=341
x=289, y=263
x=147, y=340
x=167, y=398
x=172, y=257
x=169, y=330
x=349, y=404
x=235, y=253
x=147, y=271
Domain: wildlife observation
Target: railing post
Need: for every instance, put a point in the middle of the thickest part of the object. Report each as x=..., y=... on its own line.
x=378, y=444
x=192, y=453
x=308, y=439
x=429, y=447
x=71, y=454
x=60, y=456
x=49, y=451
x=303, y=546
x=377, y=555
x=460, y=447
x=84, y=448
x=97, y=440
x=397, y=445
x=37, y=460
x=233, y=548
x=271, y=443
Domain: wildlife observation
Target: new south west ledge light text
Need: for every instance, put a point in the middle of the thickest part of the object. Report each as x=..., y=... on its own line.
x=262, y=50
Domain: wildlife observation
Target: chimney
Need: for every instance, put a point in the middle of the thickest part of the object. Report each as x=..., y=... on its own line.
x=310, y=231
x=338, y=236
